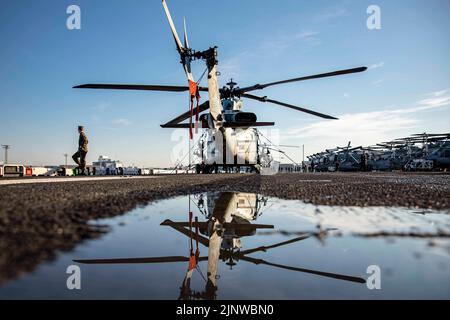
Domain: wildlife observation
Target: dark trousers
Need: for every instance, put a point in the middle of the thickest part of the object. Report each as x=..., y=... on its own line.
x=80, y=159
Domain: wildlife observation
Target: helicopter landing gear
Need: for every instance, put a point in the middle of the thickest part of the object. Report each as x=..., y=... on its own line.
x=206, y=168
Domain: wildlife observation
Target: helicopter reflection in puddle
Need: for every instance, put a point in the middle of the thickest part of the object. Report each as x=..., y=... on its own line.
x=230, y=217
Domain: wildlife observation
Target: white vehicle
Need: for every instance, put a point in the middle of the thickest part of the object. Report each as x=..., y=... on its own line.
x=170, y=171
x=146, y=171
x=13, y=170
x=44, y=171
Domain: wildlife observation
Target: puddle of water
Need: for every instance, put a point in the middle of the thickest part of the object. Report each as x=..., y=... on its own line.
x=252, y=247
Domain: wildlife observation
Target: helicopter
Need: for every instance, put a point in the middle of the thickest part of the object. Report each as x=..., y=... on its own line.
x=231, y=139
x=230, y=217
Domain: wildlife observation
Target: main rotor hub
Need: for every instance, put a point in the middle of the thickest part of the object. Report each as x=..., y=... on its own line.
x=230, y=90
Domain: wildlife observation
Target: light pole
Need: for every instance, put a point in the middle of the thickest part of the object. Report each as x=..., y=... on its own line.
x=6, y=147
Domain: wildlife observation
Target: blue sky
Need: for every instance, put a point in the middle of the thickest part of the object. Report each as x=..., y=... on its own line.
x=405, y=90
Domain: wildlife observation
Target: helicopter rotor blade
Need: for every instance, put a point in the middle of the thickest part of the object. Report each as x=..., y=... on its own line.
x=180, y=47
x=318, y=273
x=186, y=115
x=226, y=225
x=188, y=233
x=186, y=42
x=265, y=99
x=132, y=87
x=316, y=76
x=186, y=59
x=265, y=248
x=432, y=134
x=183, y=51
x=141, y=87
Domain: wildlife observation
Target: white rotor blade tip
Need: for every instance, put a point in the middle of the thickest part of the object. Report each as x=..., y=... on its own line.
x=186, y=42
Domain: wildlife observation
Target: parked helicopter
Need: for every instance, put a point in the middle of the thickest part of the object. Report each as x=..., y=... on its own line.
x=230, y=217
x=231, y=138
x=435, y=150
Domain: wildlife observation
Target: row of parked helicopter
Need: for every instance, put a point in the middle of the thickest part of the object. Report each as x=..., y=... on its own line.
x=419, y=152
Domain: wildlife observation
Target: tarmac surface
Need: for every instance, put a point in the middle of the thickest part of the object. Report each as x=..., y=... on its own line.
x=38, y=219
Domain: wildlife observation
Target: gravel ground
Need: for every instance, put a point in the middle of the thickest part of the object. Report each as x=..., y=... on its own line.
x=37, y=220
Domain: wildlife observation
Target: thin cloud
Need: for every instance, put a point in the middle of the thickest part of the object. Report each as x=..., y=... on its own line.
x=284, y=41
x=232, y=67
x=309, y=37
x=439, y=93
x=376, y=65
x=331, y=14
x=434, y=102
x=307, y=34
x=361, y=124
x=102, y=106
x=378, y=82
x=275, y=45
